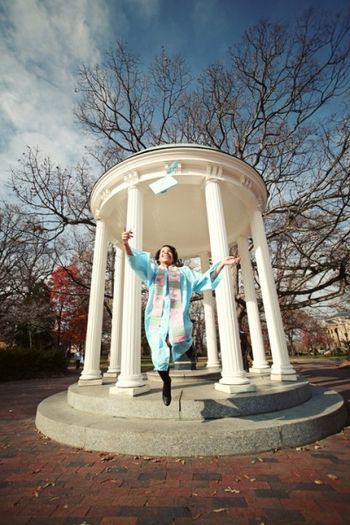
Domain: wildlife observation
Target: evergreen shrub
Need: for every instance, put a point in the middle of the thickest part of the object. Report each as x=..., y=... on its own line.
x=23, y=363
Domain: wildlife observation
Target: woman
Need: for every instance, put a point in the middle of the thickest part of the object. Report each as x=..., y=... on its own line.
x=167, y=322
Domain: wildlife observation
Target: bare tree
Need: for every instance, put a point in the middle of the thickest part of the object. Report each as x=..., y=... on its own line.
x=265, y=111
x=52, y=199
x=25, y=264
x=11, y=251
x=127, y=109
x=276, y=101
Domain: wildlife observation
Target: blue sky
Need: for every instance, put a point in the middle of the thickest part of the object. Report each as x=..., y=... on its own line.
x=43, y=42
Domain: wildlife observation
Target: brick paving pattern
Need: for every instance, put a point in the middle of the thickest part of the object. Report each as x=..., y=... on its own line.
x=45, y=483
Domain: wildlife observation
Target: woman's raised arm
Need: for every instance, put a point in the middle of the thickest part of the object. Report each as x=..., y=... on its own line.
x=126, y=236
x=230, y=260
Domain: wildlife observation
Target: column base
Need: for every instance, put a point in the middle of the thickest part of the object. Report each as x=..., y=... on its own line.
x=239, y=378
x=234, y=389
x=130, y=381
x=111, y=373
x=280, y=376
x=213, y=365
x=129, y=391
x=90, y=375
x=260, y=371
x=90, y=382
x=283, y=373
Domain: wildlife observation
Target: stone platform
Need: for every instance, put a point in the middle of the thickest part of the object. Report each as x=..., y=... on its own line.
x=190, y=401
x=200, y=421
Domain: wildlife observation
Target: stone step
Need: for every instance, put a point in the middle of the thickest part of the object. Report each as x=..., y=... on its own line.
x=323, y=414
x=190, y=401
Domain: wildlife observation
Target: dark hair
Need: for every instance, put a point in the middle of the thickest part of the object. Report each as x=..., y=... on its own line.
x=176, y=260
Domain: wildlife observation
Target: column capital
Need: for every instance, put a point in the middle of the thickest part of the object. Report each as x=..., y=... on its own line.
x=132, y=178
x=258, y=214
x=103, y=198
x=214, y=173
x=100, y=221
x=252, y=186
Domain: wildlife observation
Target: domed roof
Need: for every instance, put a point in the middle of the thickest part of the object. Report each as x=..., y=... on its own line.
x=179, y=216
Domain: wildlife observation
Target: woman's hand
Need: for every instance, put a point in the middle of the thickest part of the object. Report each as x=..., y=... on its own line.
x=230, y=260
x=126, y=236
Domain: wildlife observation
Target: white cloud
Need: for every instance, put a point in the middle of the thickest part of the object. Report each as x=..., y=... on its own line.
x=42, y=45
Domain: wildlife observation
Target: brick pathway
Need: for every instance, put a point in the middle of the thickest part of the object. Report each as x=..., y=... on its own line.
x=44, y=483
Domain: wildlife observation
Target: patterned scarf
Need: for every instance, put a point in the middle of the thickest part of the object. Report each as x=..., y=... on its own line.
x=176, y=315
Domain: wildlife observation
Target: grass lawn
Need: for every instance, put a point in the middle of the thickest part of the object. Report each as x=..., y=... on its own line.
x=146, y=363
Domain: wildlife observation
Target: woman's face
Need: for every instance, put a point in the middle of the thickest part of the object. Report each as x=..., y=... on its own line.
x=166, y=257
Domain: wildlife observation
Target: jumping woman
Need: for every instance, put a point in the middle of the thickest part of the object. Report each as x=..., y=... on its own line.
x=167, y=322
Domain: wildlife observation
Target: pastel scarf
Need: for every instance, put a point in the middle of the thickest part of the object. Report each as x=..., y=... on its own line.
x=176, y=314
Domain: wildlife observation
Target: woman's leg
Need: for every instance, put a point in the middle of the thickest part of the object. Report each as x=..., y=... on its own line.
x=164, y=374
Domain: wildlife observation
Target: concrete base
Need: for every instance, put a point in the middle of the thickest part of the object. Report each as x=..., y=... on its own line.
x=260, y=371
x=190, y=401
x=283, y=377
x=235, y=389
x=319, y=417
x=111, y=374
x=199, y=421
x=90, y=382
x=129, y=391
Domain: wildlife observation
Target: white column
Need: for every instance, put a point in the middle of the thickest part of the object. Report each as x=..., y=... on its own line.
x=209, y=318
x=281, y=368
x=234, y=377
x=91, y=372
x=117, y=313
x=130, y=379
x=260, y=364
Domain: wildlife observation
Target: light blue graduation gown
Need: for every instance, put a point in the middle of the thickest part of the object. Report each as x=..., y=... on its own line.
x=190, y=281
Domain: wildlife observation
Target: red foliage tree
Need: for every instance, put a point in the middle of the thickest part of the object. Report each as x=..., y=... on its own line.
x=303, y=330
x=69, y=300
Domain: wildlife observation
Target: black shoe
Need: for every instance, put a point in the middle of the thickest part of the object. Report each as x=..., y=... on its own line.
x=167, y=392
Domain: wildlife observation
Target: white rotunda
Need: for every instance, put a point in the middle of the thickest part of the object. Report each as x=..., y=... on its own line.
x=216, y=203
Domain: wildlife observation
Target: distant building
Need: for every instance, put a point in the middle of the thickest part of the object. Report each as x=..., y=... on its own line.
x=338, y=331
